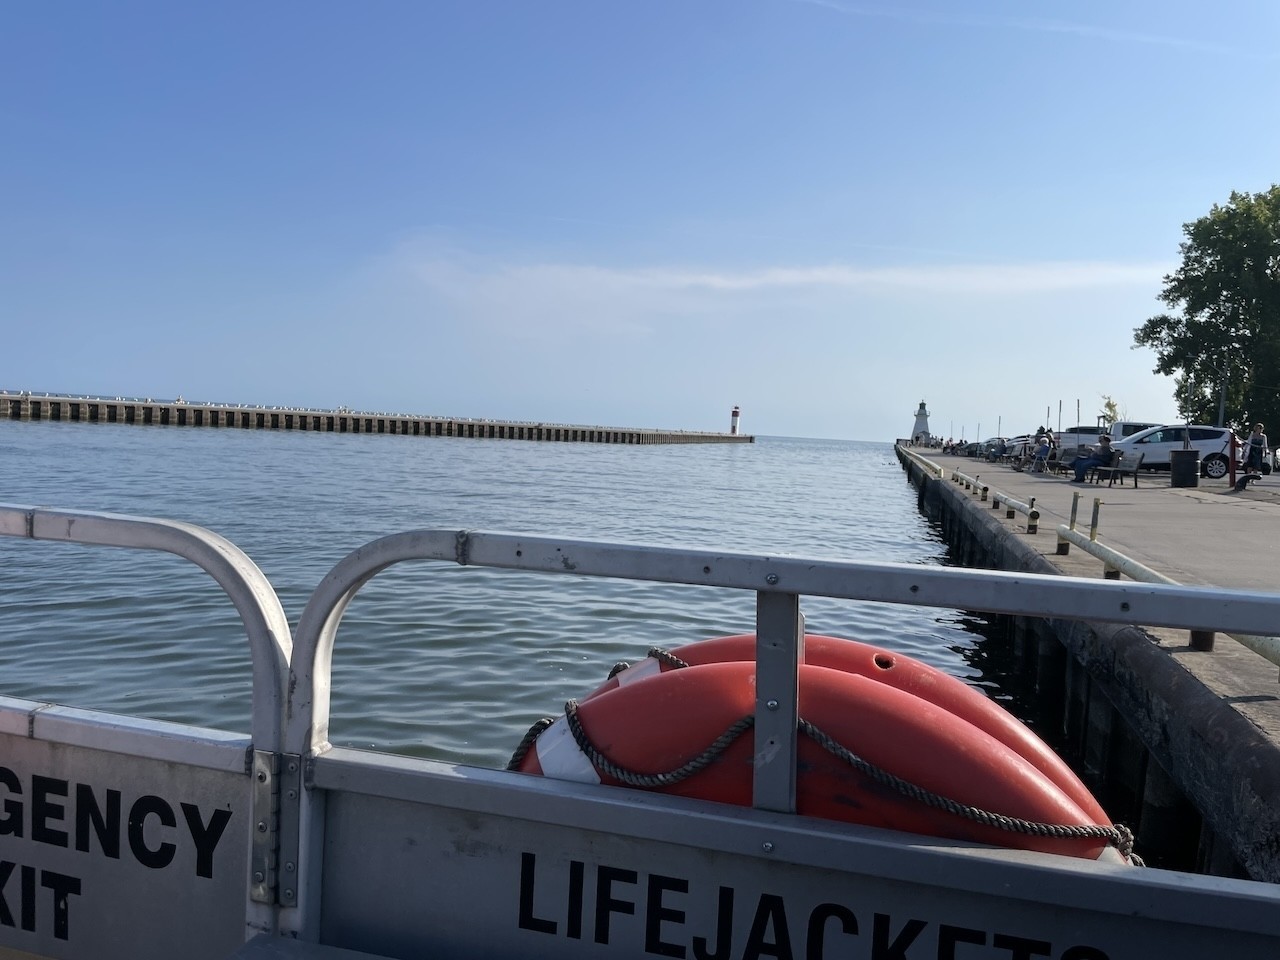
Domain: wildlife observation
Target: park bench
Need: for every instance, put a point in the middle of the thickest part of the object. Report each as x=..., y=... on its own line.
x=1119, y=470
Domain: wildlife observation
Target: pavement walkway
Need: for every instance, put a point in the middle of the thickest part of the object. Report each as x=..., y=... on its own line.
x=1209, y=534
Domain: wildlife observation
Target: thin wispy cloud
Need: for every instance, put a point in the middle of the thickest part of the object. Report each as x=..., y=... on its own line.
x=527, y=300
x=982, y=278
x=1030, y=24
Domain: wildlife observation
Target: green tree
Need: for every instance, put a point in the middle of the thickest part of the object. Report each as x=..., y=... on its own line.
x=1223, y=344
x=1110, y=412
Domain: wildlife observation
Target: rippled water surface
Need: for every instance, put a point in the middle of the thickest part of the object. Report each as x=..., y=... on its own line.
x=432, y=659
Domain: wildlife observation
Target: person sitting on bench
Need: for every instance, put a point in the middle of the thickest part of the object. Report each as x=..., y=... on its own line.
x=1100, y=456
x=1040, y=457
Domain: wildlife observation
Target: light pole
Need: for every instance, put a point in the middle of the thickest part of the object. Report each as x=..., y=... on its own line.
x=1222, y=389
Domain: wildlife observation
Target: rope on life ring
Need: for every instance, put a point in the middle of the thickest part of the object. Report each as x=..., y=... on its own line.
x=527, y=742
x=667, y=657
x=887, y=667
x=1119, y=836
x=630, y=777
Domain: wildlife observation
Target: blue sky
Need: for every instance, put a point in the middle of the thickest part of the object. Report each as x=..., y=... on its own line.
x=619, y=213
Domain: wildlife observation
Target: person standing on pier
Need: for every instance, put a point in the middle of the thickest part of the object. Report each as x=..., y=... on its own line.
x=1100, y=456
x=1257, y=451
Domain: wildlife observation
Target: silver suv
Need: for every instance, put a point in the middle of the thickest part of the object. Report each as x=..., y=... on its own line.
x=1213, y=443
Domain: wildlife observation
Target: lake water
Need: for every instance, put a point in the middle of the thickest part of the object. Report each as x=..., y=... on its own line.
x=432, y=660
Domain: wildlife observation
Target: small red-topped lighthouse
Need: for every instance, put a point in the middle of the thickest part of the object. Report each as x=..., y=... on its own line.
x=733, y=422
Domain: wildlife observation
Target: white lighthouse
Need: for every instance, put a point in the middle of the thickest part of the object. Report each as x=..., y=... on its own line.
x=733, y=421
x=920, y=432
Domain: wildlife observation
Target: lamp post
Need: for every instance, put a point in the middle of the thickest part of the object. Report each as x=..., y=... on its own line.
x=1222, y=389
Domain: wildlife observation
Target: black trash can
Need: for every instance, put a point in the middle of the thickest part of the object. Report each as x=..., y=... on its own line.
x=1184, y=468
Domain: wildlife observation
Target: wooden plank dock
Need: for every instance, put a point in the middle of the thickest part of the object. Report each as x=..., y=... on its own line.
x=24, y=405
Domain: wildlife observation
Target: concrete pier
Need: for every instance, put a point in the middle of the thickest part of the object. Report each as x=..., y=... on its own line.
x=1181, y=743
x=179, y=413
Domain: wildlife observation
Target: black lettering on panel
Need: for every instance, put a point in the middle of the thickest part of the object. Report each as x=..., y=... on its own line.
x=577, y=883
x=28, y=899
x=1083, y=953
x=105, y=824
x=816, y=937
x=62, y=887
x=656, y=913
x=11, y=820
x=142, y=808
x=771, y=914
x=606, y=903
x=528, y=867
x=724, y=931
x=6, y=871
x=949, y=936
x=205, y=836
x=43, y=810
x=882, y=949
x=1020, y=948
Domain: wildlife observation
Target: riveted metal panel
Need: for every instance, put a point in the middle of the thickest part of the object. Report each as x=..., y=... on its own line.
x=119, y=853
x=425, y=859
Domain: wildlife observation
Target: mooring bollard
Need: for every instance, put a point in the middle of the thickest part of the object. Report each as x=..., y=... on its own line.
x=1064, y=545
x=1202, y=640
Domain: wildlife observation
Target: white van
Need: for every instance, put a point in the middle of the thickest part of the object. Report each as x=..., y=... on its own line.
x=1073, y=441
x=1127, y=428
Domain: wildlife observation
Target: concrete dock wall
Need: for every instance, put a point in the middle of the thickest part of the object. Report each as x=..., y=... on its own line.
x=24, y=406
x=1196, y=781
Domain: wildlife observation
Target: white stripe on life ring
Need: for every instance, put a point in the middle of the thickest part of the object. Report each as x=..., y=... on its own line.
x=638, y=671
x=559, y=756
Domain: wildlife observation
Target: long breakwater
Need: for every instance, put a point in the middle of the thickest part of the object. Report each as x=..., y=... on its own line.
x=181, y=413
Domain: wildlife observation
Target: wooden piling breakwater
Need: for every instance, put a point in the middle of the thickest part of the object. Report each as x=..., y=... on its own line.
x=180, y=413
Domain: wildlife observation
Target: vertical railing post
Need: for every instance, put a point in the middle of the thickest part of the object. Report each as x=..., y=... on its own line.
x=779, y=652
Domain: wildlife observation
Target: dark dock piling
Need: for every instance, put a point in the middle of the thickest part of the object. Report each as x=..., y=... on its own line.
x=180, y=413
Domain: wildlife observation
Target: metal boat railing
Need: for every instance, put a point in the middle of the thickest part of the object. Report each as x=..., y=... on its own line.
x=404, y=856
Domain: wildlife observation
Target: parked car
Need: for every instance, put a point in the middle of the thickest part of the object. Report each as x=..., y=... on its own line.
x=1153, y=445
x=1018, y=447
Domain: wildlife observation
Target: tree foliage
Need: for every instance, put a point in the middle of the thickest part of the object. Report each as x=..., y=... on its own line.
x=1110, y=411
x=1226, y=331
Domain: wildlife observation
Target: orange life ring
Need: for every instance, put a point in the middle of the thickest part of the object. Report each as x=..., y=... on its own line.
x=895, y=670
x=667, y=721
